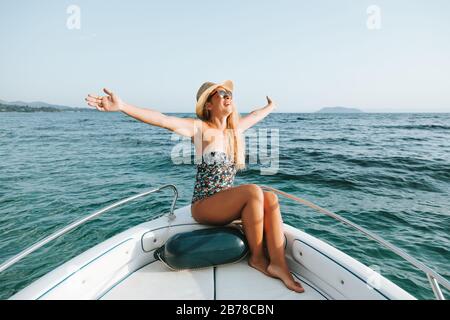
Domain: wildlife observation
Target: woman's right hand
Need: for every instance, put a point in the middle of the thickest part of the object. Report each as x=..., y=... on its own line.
x=110, y=102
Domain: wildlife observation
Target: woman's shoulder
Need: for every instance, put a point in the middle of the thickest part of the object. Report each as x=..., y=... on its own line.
x=201, y=126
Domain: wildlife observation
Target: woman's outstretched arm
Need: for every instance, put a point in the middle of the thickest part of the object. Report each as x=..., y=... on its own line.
x=112, y=102
x=256, y=116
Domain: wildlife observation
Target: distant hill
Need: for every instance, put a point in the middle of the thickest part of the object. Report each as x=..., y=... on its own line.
x=13, y=108
x=339, y=110
x=35, y=106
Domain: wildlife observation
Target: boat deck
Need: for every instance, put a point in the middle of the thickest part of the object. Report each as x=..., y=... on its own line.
x=156, y=281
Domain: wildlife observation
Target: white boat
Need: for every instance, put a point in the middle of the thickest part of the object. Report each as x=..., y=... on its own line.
x=124, y=267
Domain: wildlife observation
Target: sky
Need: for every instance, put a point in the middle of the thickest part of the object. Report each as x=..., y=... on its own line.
x=378, y=55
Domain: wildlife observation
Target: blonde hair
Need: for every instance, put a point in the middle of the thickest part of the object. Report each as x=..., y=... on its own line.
x=234, y=139
x=235, y=146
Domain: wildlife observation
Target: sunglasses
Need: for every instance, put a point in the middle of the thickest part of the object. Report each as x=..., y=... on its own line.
x=223, y=94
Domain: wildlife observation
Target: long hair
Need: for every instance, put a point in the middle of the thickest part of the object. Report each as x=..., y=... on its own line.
x=235, y=146
x=234, y=140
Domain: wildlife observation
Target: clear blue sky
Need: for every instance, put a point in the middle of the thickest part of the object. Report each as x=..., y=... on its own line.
x=304, y=54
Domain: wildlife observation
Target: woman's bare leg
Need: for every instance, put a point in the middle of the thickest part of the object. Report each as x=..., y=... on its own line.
x=274, y=235
x=245, y=202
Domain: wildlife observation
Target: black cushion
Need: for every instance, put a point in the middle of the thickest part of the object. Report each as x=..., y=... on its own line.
x=203, y=248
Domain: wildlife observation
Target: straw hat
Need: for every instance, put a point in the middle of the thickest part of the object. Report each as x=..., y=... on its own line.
x=204, y=92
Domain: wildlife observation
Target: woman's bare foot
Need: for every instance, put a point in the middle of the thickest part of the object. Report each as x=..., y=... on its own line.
x=259, y=264
x=284, y=275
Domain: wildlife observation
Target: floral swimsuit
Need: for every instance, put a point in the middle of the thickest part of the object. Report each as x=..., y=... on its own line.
x=215, y=173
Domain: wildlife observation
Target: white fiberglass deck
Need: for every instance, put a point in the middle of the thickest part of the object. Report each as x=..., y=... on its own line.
x=123, y=267
x=220, y=283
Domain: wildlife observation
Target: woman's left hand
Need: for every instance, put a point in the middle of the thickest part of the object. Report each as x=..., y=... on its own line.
x=269, y=101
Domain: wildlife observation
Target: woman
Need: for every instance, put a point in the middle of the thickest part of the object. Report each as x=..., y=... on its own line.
x=219, y=131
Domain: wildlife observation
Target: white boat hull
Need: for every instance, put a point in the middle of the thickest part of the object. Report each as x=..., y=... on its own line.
x=123, y=267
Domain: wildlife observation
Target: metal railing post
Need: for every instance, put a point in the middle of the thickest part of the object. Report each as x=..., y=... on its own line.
x=435, y=286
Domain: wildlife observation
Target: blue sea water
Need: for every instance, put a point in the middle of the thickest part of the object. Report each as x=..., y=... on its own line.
x=389, y=173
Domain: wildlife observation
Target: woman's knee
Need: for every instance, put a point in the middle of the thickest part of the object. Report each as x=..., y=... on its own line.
x=270, y=199
x=254, y=191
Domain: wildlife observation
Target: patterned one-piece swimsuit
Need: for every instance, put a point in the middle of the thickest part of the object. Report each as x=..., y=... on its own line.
x=215, y=173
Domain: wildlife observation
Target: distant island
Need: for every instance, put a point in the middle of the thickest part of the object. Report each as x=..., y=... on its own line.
x=14, y=108
x=339, y=110
x=36, y=106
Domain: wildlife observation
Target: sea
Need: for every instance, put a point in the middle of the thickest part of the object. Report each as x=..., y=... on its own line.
x=386, y=172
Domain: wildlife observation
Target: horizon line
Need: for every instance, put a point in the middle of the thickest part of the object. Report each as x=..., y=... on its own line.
x=318, y=111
